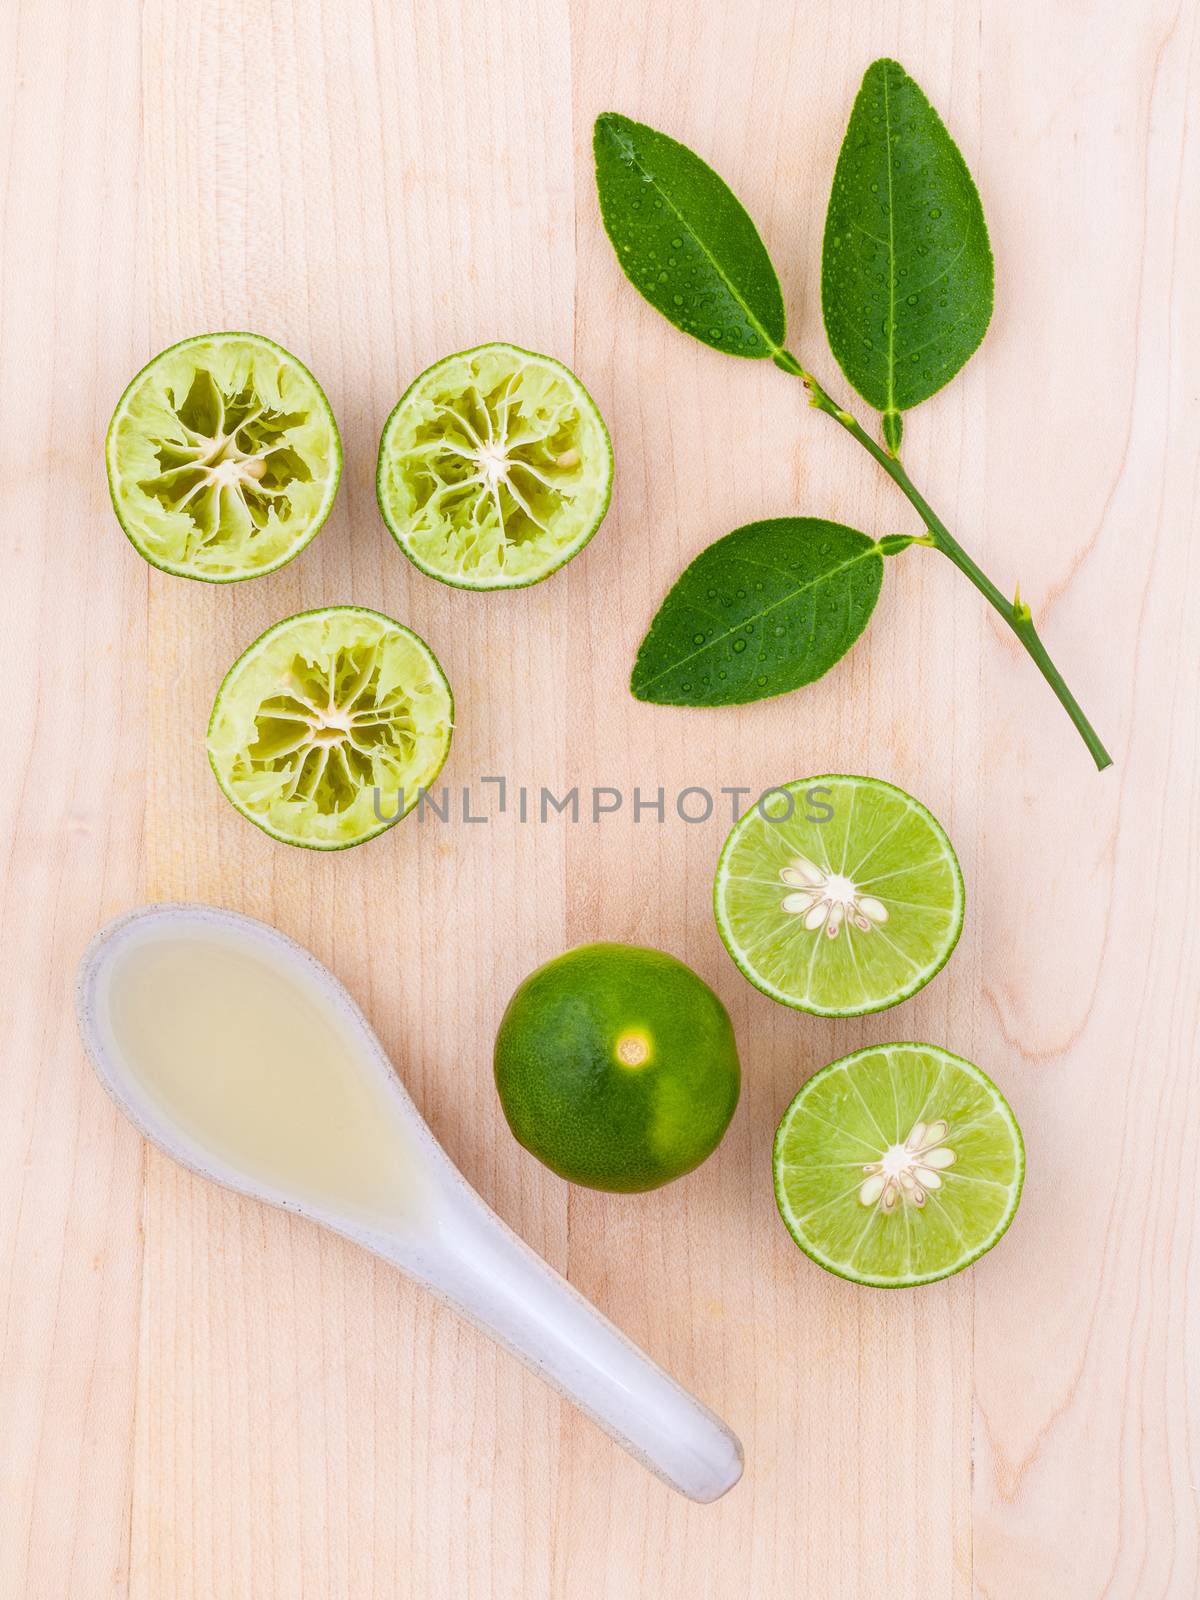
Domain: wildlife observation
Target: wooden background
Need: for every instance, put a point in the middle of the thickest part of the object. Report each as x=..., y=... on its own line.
x=203, y=1399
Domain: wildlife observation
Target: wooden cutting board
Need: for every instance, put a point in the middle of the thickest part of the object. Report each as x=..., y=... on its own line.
x=199, y=1398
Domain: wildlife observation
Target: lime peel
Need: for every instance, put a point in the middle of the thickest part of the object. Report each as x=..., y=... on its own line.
x=617, y=1067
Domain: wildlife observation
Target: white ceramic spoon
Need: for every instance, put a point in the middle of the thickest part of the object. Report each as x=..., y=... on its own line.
x=442, y=1234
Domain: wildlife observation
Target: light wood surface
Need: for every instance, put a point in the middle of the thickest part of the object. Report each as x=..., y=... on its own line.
x=199, y=1398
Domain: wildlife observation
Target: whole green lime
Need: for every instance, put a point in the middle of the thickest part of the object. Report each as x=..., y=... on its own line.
x=617, y=1067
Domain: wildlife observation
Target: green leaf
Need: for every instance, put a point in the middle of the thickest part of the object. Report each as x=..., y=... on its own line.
x=767, y=608
x=906, y=273
x=684, y=240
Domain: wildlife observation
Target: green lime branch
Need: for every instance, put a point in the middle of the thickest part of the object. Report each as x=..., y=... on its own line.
x=1014, y=612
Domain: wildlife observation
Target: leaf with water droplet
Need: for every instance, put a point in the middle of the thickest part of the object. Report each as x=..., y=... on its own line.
x=820, y=581
x=722, y=262
x=901, y=191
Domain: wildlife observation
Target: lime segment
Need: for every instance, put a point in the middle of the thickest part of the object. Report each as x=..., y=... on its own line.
x=223, y=458
x=494, y=469
x=898, y=1165
x=839, y=895
x=328, y=726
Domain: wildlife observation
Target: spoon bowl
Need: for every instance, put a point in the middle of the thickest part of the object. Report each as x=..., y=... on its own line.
x=237, y=1053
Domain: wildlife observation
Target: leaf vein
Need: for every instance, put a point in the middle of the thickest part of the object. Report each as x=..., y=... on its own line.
x=887, y=119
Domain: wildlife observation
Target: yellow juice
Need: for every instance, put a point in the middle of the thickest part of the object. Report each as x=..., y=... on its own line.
x=260, y=1070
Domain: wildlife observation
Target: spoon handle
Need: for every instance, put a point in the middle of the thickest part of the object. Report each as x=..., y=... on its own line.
x=498, y=1283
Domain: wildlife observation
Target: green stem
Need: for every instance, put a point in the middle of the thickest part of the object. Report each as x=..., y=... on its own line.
x=1015, y=612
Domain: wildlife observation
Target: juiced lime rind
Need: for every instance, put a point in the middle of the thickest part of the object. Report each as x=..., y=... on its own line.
x=834, y=1121
x=411, y=739
x=291, y=499
x=479, y=549
x=925, y=892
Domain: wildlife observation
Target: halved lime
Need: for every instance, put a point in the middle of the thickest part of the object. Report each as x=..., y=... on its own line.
x=494, y=469
x=223, y=458
x=898, y=1165
x=324, y=732
x=839, y=895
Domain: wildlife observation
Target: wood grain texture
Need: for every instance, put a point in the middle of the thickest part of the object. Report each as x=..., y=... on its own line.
x=199, y=1397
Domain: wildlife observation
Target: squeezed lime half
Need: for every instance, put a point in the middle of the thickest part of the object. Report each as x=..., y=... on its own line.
x=898, y=1165
x=223, y=458
x=325, y=730
x=839, y=895
x=494, y=469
